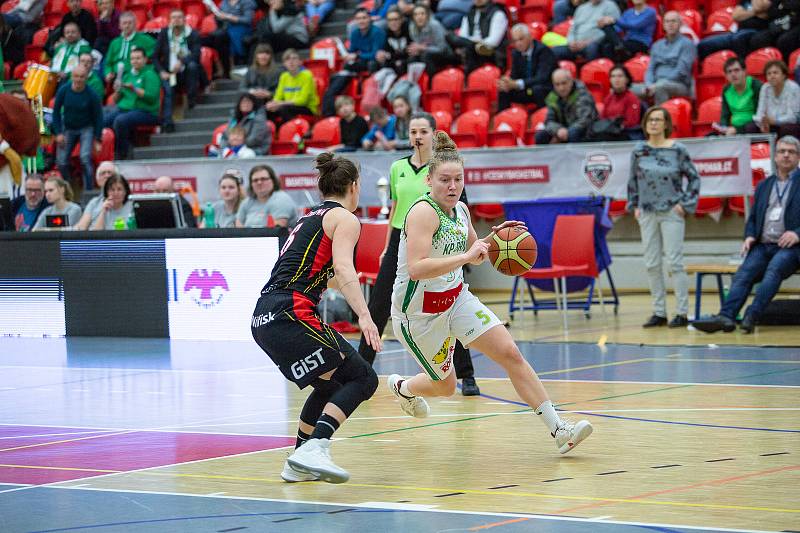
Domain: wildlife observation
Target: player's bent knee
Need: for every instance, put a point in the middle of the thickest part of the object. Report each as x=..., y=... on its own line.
x=355, y=369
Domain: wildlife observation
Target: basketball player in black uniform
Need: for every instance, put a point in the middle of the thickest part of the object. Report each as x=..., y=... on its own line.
x=287, y=327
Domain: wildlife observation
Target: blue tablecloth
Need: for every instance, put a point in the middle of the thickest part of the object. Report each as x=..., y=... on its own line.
x=540, y=217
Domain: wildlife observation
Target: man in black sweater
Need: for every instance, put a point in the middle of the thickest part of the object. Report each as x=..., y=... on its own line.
x=532, y=65
x=79, y=16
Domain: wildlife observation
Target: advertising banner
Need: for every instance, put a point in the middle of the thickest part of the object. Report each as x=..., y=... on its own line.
x=213, y=285
x=495, y=175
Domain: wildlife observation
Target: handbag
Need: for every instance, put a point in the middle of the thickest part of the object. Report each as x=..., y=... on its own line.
x=607, y=129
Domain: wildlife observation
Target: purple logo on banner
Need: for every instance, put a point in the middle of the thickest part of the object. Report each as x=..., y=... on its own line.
x=206, y=290
x=597, y=168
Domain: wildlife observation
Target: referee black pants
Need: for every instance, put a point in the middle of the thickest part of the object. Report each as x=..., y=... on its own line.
x=380, y=304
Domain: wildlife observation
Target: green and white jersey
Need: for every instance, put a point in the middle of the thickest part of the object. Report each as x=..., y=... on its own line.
x=431, y=295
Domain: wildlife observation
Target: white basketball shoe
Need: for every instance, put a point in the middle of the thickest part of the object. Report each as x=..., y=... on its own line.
x=416, y=406
x=569, y=435
x=290, y=475
x=314, y=457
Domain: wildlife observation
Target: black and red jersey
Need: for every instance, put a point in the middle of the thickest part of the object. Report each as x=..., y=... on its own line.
x=306, y=261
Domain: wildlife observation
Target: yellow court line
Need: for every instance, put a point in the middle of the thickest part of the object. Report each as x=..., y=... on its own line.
x=484, y=492
x=68, y=440
x=602, y=365
x=701, y=360
x=35, y=467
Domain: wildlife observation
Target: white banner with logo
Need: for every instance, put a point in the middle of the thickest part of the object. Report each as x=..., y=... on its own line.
x=213, y=285
x=494, y=175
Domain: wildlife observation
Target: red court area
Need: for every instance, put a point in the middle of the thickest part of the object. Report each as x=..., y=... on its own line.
x=38, y=455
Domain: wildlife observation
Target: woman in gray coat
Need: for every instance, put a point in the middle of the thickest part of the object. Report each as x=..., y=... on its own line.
x=253, y=119
x=428, y=42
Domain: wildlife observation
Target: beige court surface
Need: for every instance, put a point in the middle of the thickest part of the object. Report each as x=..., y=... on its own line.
x=484, y=454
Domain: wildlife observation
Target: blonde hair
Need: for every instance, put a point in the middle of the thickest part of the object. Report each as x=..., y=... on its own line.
x=444, y=151
x=63, y=185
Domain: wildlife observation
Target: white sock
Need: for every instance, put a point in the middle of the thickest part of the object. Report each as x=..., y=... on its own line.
x=549, y=416
x=404, y=389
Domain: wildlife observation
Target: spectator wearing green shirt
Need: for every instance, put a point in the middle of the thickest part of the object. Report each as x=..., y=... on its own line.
x=138, y=103
x=95, y=82
x=119, y=51
x=739, y=99
x=296, y=93
x=67, y=53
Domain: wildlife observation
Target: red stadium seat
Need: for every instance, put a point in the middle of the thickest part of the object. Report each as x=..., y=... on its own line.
x=11, y=4
x=756, y=60
x=566, y=64
x=736, y=204
x=163, y=8
x=680, y=109
x=444, y=120
x=692, y=19
x=328, y=50
x=537, y=29
x=716, y=5
x=658, y=33
x=720, y=21
x=535, y=11
x=759, y=151
x=194, y=7
x=618, y=208
x=156, y=23
x=283, y=148
x=21, y=69
x=562, y=28
x=471, y=128
x=319, y=68
x=207, y=58
x=450, y=80
x=513, y=119
x=369, y=249
x=293, y=130
x=712, y=75
x=475, y=99
x=325, y=133
x=193, y=21
x=488, y=211
x=497, y=138
x=141, y=14
x=216, y=137
x=485, y=78
x=708, y=113
x=40, y=37
x=208, y=25
x=708, y=206
x=794, y=60
x=594, y=75
x=538, y=117
x=637, y=66
x=679, y=5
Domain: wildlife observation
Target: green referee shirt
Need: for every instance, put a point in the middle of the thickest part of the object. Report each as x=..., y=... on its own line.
x=406, y=185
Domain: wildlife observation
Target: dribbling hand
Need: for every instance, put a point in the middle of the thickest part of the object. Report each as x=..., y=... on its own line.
x=477, y=253
x=370, y=332
x=510, y=224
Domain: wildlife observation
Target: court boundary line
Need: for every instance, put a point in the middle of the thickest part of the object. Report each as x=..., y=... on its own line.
x=440, y=511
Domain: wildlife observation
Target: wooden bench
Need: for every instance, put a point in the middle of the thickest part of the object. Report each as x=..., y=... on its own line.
x=709, y=269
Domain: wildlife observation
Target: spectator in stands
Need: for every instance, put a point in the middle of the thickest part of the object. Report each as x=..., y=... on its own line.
x=382, y=132
x=783, y=31
x=77, y=118
x=230, y=197
x=235, y=147
x=116, y=205
x=118, y=58
x=94, y=208
x=779, y=102
x=266, y=204
x=67, y=53
x=107, y=25
x=25, y=12
x=656, y=195
x=26, y=209
x=482, y=35
x=638, y=24
x=621, y=102
x=316, y=13
x=252, y=119
x=564, y=9
x=451, y=12
x=21, y=22
x=770, y=246
x=164, y=184
x=296, y=93
x=739, y=100
x=236, y=20
x=586, y=36
x=750, y=17
x=379, y=10
x=669, y=73
x=176, y=58
x=570, y=111
x=401, y=109
x=352, y=126
x=59, y=194
x=532, y=65
x=262, y=76
x=94, y=82
x=428, y=41
x=283, y=27
x=365, y=41
x=137, y=103
x=394, y=53
x=79, y=16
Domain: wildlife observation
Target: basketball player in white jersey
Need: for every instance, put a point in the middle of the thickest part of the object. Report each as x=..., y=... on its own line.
x=431, y=305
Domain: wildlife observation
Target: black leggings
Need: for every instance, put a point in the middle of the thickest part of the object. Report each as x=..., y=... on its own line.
x=380, y=304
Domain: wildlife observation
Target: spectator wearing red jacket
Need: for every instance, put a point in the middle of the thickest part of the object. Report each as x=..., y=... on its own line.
x=621, y=102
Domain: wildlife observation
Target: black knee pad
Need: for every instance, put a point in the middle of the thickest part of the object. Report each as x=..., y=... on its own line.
x=357, y=376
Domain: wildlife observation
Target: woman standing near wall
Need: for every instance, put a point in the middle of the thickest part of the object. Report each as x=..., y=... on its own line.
x=660, y=202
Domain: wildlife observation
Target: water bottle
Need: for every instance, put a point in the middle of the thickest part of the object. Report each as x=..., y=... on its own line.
x=208, y=215
x=131, y=221
x=119, y=223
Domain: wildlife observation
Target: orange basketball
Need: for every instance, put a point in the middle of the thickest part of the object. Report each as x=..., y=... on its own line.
x=512, y=251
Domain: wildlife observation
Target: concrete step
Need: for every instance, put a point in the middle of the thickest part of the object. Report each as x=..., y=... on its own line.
x=339, y=15
x=198, y=124
x=196, y=137
x=225, y=85
x=333, y=29
x=168, y=152
x=221, y=97
x=220, y=110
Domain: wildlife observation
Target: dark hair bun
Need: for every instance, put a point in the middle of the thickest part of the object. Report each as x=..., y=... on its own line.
x=324, y=162
x=443, y=143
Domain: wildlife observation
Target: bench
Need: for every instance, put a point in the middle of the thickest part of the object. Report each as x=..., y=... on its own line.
x=709, y=269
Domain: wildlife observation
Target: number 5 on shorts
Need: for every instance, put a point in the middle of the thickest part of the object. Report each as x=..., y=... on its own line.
x=485, y=319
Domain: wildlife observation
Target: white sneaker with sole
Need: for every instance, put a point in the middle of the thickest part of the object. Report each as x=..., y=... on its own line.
x=570, y=435
x=290, y=475
x=416, y=406
x=314, y=457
